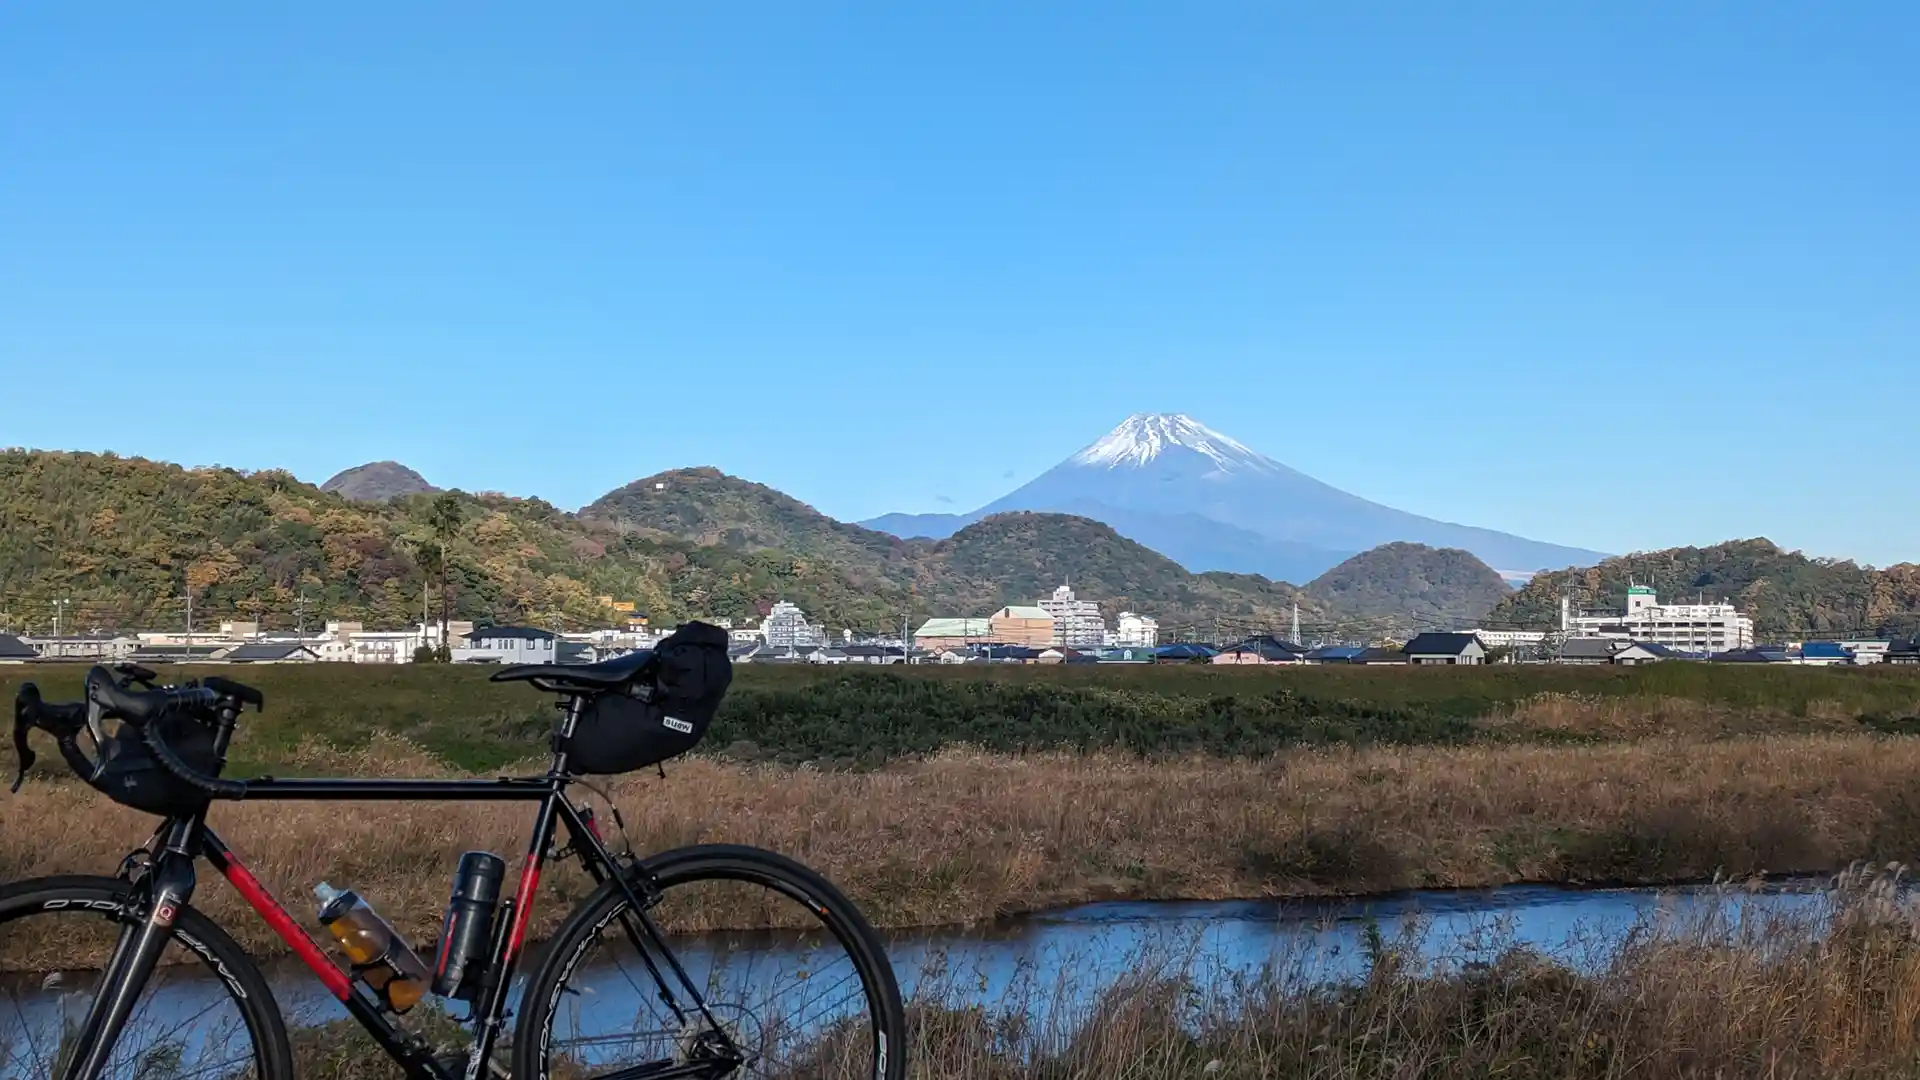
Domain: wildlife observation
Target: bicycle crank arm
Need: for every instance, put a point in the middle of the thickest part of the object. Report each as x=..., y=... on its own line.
x=675, y=1070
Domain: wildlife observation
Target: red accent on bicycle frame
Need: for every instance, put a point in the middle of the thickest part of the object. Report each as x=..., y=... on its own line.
x=523, y=905
x=290, y=932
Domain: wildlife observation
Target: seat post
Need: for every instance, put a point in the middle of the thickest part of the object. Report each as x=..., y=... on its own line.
x=575, y=704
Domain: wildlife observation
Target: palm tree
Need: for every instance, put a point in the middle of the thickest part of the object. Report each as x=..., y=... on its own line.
x=445, y=517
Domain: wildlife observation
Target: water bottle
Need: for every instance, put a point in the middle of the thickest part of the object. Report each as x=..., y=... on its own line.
x=381, y=957
x=467, y=939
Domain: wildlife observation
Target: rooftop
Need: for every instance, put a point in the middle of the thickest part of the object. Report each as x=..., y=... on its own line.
x=1436, y=644
x=522, y=633
x=955, y=628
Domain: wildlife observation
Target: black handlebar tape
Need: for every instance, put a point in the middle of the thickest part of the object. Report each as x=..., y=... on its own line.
x=187, y=774
x=240, y=693
x=63, y=722
x=136, y=707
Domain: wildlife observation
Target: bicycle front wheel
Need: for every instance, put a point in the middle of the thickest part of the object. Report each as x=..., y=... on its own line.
x=206, y=1012
x=749, y=964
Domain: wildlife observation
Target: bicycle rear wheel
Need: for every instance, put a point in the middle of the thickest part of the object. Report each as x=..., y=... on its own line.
x=795, y=983
x=206, y=1013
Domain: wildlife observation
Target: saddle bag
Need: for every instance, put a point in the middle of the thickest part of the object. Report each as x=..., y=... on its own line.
x=131, y=776
x=663, y=713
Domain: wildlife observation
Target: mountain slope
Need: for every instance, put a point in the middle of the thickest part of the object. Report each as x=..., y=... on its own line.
x=1788, y=594
x=123, y=539
x=706, y=506
x=1021, y=556
x=1155, y=466
x=377, y=481
x=1427, y=586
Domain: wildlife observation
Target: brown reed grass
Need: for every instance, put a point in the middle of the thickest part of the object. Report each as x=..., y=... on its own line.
x=965, y=836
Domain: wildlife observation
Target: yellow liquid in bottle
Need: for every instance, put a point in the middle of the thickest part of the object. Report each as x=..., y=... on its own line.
x=397, y=974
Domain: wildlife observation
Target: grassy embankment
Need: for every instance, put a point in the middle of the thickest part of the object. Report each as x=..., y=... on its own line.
x=941, y=796
x=1805, y=996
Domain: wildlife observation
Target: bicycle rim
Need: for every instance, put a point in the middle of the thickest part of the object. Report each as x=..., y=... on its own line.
x=204, y=1015
x=789, y=982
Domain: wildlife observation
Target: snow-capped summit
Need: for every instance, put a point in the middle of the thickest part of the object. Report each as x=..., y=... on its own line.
x=1210, y=502
x=1142, y=437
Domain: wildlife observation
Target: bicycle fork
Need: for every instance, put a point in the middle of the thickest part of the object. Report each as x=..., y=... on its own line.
x=169, y=886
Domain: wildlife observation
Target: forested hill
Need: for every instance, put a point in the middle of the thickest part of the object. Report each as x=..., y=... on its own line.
x=1427, y=585
x=1788, y=594
x=124, y=540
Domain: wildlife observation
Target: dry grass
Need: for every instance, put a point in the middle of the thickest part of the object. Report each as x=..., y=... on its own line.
x=1808, y=995
x=1834, y=993
x=964, y=836
x=1602, y=718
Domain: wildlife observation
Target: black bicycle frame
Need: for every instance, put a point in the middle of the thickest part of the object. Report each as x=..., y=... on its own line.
x=181, y=841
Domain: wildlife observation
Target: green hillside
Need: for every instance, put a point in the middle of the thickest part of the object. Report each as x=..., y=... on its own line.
x=1026, y=555
x=1788, y=594
x=124, y=540
x=707, y=507
x=1425, y=586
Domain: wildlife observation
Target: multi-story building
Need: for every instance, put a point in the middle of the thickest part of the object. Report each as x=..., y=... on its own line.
x=786, y=627
x=1133, y=631
x=1697, y=628
x=1023, y=624
x=1077, y=624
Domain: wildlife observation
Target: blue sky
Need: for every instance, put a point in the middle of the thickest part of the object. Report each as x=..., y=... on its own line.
x=1623, y=277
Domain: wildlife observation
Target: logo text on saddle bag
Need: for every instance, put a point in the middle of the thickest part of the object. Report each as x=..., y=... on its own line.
x=677, y=724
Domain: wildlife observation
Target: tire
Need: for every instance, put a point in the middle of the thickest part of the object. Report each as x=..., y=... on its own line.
x=717, y=863
x=230, y=969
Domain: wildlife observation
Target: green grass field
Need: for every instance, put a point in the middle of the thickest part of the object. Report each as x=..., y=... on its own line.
x=867, y=717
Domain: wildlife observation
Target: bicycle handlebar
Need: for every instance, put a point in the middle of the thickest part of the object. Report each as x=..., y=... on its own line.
x=222, y=698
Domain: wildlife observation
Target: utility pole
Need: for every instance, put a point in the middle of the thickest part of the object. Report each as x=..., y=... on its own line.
x=300, y=618
x=189, y=599
x=59, y=606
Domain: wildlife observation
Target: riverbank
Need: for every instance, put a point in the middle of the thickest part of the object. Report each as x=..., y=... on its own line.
x=1825, y=991
x=964, y=836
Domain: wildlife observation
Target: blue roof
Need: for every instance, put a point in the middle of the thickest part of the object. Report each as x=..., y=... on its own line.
x=1337, y=652
x=1825, y=650
x=1183, y=651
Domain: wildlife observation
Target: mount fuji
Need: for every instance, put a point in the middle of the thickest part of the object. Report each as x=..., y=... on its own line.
x=1209, y=502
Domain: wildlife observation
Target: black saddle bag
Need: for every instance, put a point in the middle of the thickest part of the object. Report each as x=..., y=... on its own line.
x=664, y=712
x=131, y=776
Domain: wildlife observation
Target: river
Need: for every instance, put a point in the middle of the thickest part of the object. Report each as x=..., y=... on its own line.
x=1061, y=960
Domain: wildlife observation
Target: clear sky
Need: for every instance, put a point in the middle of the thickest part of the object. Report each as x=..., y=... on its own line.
x=1628, y=276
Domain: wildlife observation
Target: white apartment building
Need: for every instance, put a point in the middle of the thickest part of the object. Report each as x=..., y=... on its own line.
x=786, y=627
x=1077, y=624
x=1700, y=628
x=1133, y=631
x=1507, y=639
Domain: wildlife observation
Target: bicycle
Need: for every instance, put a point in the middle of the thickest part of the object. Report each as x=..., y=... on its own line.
x=708, y=1027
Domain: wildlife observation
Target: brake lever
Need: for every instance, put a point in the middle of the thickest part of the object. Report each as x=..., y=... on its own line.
x=23, y=705
x=135, y=673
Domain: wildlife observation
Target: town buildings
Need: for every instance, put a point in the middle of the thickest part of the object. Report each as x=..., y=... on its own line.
x=1693, y=628
x=1077, y=624
x=1135, y=631
x=1023, y=624
x=1445, y=649
x=786, y=627
x=939, y=635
